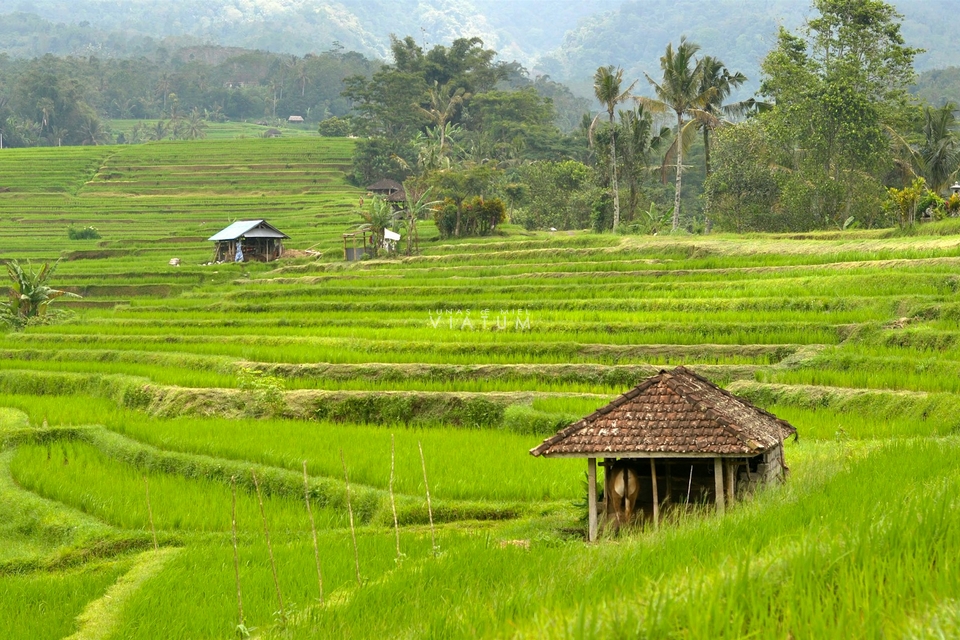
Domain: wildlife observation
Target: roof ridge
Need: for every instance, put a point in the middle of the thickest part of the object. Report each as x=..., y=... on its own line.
x=743, y=401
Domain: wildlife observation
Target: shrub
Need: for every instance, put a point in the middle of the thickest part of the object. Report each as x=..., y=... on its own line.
x=335, y=127
x=87, y=233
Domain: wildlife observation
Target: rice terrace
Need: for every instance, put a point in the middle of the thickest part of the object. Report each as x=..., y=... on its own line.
x=177, y=412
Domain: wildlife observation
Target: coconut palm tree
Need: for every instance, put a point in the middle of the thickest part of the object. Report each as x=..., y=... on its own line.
x=93, y=132
x=715, y=76
x=46, y=108
x=940, y=153
x=195, y=125
x=638, y=143
x=164, y=83
x=444, y=101
x=679, y=91
x=606, y=86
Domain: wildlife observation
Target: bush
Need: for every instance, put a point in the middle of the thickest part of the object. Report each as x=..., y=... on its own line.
x=335, y=127
x=87, y=233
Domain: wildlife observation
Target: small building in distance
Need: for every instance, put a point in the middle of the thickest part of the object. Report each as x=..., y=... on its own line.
x=295, y=119
x=674, y=441
x=390, y=190
x=256, y=240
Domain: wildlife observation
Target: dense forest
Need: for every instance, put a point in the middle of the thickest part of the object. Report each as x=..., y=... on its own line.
x=565, y=40
x=833, y=138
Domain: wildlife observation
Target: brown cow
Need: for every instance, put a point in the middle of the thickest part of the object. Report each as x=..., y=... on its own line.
x=624, y=486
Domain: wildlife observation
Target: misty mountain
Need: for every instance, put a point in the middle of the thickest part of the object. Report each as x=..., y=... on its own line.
x=566, y=40
x=518, y=29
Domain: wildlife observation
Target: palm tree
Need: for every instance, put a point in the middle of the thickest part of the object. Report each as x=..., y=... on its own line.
x=715, y=77
x=936, y=159
x=638, y=143
x=46, y=108
x=940, y=153
x=679, y=91
x=195, y=126
x=606, y=86
x=299, y=66
x=444, y=101
x=29, y=295
x=159, y=131
x=163, y=88
x=93, y=132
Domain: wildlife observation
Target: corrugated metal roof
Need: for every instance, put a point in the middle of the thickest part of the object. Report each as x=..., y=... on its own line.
x=676, y=412
x=250, y=229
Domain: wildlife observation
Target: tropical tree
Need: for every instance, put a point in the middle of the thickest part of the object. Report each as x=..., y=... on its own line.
x=93, y=132
x=30, y=293
x=444, y=102
x=940, y=154
x=159, y=130
x=639, y=142
x=416, y=208
x=164, y=83
x=46, y=108
x=195, y=127
x=839, y=88
x=680, y=90
x=376, y=218
x=606, y=86
x=716, y=79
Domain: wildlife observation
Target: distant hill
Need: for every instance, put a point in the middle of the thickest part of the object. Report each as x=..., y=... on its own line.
x=520, y=29
x=739, y=32
x=566, y=40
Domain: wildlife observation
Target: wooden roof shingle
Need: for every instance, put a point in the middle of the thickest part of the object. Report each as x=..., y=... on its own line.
x=673, y=413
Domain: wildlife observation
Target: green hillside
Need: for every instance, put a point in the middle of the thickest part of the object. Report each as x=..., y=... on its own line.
x=184, y=381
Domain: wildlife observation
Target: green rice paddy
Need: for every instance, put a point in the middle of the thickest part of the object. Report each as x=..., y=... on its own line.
x=189, y=379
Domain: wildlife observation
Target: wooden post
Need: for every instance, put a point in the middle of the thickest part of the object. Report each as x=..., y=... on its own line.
x=731, y=479
x=718, y=482
x=592, y=498
x=656, y=493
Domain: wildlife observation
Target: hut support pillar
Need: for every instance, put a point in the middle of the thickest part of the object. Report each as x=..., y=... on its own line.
x=718, y=482
x=731, y=481
x=656, y=493
x=592, y=498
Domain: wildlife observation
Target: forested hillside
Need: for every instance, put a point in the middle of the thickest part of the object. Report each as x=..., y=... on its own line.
x=567, y=40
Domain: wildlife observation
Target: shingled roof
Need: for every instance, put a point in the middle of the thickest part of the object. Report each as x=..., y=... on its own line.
x=386, y=185
x=673, y=413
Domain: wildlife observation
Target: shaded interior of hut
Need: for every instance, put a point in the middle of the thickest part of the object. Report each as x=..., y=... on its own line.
x=630, y=484
x=253, y=249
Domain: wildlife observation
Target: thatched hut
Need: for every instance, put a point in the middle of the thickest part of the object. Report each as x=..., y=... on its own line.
x=247, y=240
x=673, y=441
x=391, y=191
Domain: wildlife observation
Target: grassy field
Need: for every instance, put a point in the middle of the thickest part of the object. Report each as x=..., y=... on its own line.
x=185, y=381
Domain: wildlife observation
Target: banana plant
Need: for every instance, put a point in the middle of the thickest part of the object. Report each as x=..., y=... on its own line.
x=30, y=294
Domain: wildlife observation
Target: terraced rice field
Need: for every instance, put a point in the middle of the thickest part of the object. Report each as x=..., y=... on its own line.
x=177, y=380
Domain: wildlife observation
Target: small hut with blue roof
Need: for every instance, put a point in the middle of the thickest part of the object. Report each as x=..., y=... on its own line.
x=247, y=240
